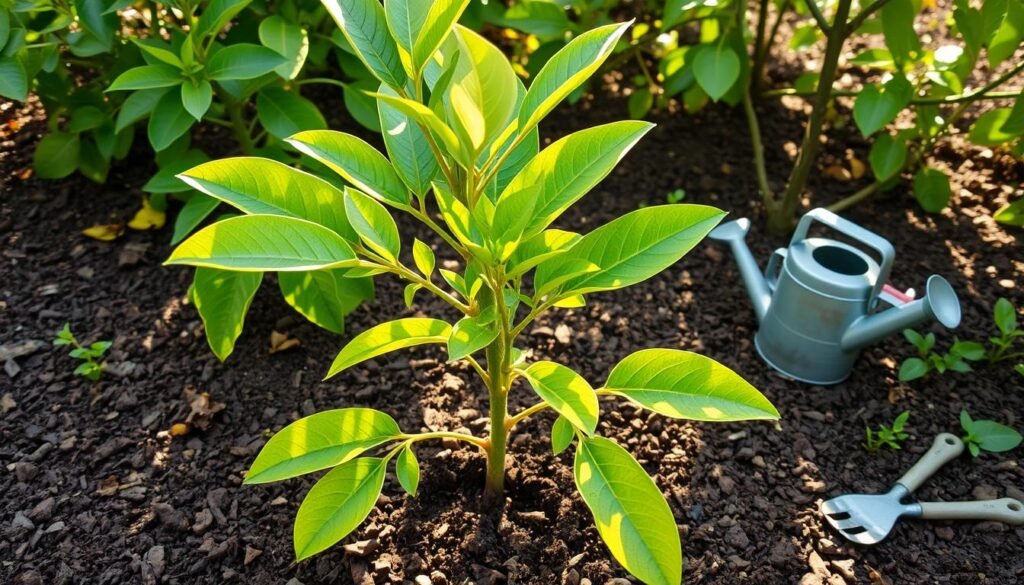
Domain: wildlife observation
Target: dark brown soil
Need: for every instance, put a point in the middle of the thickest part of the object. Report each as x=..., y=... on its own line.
x=95, y=491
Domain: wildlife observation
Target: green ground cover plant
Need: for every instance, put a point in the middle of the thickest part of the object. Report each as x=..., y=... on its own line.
x=460, y=132
x=90, y=367
x=987, y=435
x=928, y=360
x=891, y=436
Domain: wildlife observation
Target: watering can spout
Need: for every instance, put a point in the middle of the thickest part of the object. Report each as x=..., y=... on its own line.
x=734, y=234
x=939, y=303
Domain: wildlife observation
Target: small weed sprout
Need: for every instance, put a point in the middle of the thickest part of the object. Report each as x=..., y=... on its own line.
x=1005, y=346
x=987, y=435
x=676, y=196
x=886, y=436
x=90, y=368
x=928, y=360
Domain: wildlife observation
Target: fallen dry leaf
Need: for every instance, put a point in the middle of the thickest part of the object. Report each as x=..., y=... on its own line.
x=107, y=487
x=25, y=174
x=857, y=167
x=179, y=430
x=202, y=409
x=837, y=172
x=104, y=232
x=148, y=217
x=7, y=403
x=281, y=342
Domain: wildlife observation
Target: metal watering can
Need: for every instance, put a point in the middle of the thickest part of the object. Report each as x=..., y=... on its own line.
x=816, y=299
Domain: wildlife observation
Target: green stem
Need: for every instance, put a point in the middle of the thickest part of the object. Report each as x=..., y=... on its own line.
x=819, y=18
x=499, y=371
x=239, y=128
x=952, y=99
x=753, y=125
x=323, y=80
x=848, y=202
x=476, y=441
x=864, y=15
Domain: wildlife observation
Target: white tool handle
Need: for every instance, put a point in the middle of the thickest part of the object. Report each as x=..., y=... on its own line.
x=945, y=448
x=1006, y=510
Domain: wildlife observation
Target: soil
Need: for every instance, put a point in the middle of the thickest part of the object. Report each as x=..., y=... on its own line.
x=98, y=491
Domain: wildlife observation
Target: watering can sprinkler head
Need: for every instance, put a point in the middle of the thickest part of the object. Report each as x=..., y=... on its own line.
x=816, y=300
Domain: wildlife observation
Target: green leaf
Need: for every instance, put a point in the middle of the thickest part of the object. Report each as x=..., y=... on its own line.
x=562, y=435
x=324, y=296
x=263, y=243
x=360, y=106
x=1008, y=36
x=159, y=51
x=168, y=121
x=289, y=40
x=543, y=246
x=284, y=113
x=994, y=437
x=337, y=504
x=166, y=180
x=405, y=19
x=716, y=69
x=481, y=96
x=1011, y=213
x=630, y=512
x=197, y=208
x=426, y=117
x=363, y=24
x=988, y=129
x=687, y=385
x=373, y=223
x=640, y=103
x=538, y=17
x=322, y=440
x=243, y=61
x=147, y=77
x=567, y=392
x=56, y=155
x=437, y=24
x=388, y=337
x=571, y=167
x=874, y=107
x=912, y=369
x=13, y=79
x=1014, y=123
x=1005, y=316
x=567, y=70
x=138, y=105
x=423, y=256
x=260, y=186
x=887, y=157
x=86, y=118
x=197, y=98
x=217, y=15
x=356, y=161
x=407, y=146
x=407, y=468
x=647, y=241
x=931, y=188
x=468, y=336
x=897, y=18
x=222, y=298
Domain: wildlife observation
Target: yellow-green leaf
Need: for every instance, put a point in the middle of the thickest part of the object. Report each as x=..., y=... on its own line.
x=567, y=392
x=388, y=337
x=337, y=504
x=355, y=160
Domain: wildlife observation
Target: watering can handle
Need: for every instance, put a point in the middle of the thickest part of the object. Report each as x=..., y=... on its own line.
x=848, y=228
x=771, y=271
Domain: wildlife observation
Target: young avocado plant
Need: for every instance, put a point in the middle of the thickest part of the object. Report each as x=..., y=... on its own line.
x=987, y=435
x=461, y=135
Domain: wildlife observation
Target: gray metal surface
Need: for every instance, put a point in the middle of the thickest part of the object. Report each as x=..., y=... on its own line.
x=868, y=519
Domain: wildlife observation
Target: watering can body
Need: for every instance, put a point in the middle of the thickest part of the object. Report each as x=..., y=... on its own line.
x=816, y=300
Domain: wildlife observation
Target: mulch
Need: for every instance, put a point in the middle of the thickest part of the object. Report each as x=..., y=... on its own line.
x=97, y=491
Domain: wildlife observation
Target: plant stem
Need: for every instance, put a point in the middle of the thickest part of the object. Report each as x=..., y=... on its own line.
x=951, y=99
x=238, y=125
x=748, y=108
x=780, y=214
x=481, y=443
x=864, y=14
x=819, y=18
x=861, y=195
x=323, y=80
x=499, y=372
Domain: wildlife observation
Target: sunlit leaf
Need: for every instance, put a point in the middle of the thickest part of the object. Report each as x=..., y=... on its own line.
x=567, y=392
x=388, y=337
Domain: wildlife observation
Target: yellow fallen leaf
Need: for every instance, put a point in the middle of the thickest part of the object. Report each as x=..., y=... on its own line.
x=179, y=430
x=280, y=342
x=104, y=232
x=148, y=218
x=837, y=172
x=857, y=167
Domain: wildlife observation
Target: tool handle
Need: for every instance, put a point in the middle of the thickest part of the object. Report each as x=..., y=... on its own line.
x=945, y=448
x=1006, y=510
x=886, y=252
x=771, y=271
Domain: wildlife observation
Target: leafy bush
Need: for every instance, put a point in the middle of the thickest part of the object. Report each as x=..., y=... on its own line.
x=902, y=74
x=462, y=141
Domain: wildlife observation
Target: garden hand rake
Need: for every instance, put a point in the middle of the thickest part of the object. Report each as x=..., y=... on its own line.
x=868, y=519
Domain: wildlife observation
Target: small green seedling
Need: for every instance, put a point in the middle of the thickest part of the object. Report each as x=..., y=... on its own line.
x=675, y=196
x=1004, y=346
x=885, y=436
x=90, y=368
x=987, y=435
x=929, y=361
